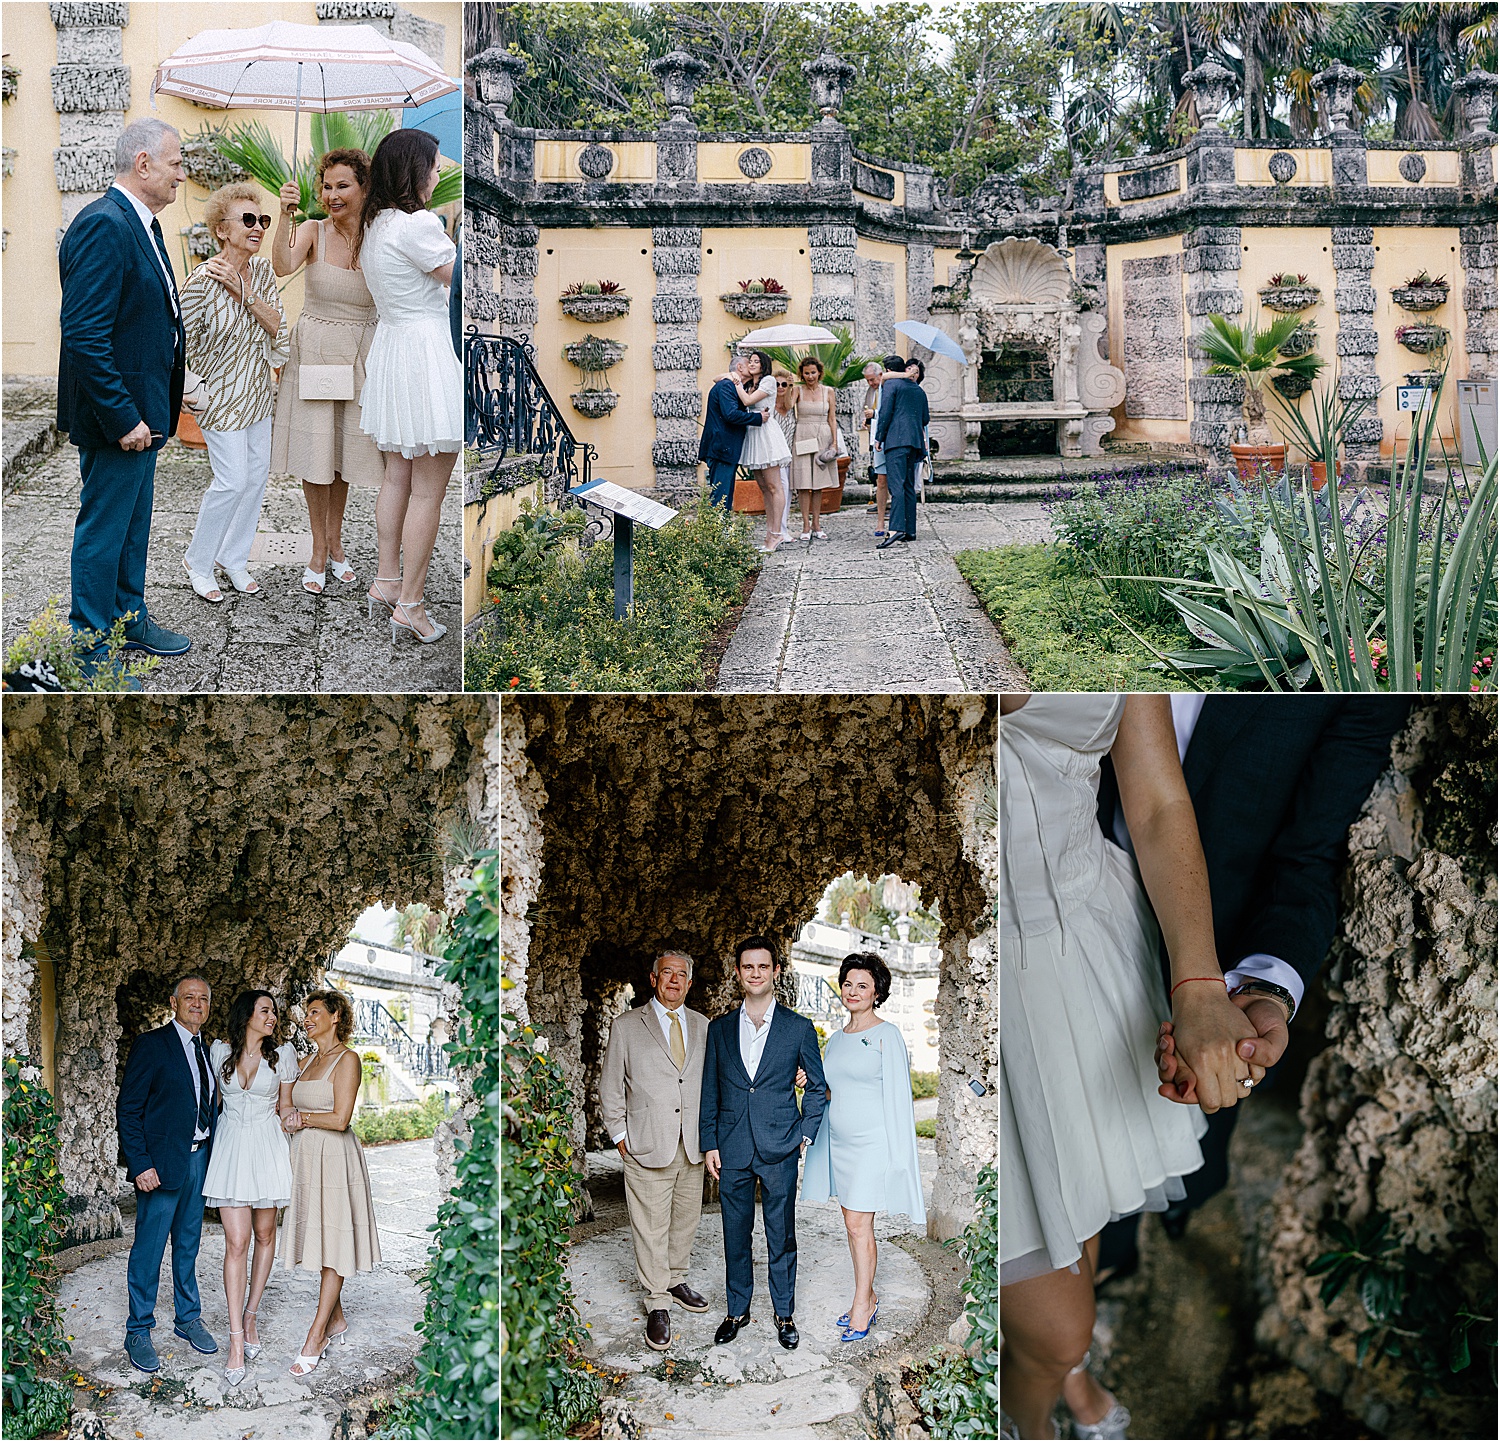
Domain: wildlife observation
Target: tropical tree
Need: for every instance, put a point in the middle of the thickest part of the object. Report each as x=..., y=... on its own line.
x=1251, y=355
x=863, y=901
x=420, y=925
x=841, y=365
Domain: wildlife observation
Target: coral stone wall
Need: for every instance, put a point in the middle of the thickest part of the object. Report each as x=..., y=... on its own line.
x=239, y=837
x=1400, y=1110
x=631, y=826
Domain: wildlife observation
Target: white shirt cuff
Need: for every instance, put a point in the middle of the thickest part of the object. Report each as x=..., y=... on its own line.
x=617, y=1140
x=1260, y=967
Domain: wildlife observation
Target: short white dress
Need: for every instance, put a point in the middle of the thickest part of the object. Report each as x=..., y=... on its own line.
x=1084, y=1137
x=250, y=1165
x=765, y=444
x=413, y=399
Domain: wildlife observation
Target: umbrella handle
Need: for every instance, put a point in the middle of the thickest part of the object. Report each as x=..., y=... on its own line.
x=296, y=122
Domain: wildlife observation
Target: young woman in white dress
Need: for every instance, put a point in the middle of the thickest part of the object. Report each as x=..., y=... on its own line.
x=249, y=1171
x=1088, y=1131
x=766, y=446
x=412, y=402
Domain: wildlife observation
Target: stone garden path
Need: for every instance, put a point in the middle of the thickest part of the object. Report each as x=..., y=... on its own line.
x=193, y=1399
x=843, y=616
x=286, y=640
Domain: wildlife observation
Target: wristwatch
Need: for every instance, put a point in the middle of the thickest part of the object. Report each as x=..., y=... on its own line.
x=1269, y=988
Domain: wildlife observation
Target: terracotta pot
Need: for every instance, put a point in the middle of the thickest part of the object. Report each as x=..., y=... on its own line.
x=1249, y=460
x=747, y=498
x=188, y=431
x=1319, y=471
x=832, y=500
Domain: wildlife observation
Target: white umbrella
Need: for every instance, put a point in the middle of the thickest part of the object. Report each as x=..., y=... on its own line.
x=934, y=339
x=282, y=66
x=788, y=335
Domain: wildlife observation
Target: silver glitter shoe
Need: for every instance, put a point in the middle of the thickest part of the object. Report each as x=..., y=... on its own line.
x=1112, y=1424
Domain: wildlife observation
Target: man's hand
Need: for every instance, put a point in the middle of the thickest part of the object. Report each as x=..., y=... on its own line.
x=803, y=1152
x=148, y=1181
x=801, y=1080
x=1208, y=1030
x=621, y=1145
x=711, y=1161
x=1265, y=1014
x=138, y=439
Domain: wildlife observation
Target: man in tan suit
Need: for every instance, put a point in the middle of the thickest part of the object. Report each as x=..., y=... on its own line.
x=653, y=1075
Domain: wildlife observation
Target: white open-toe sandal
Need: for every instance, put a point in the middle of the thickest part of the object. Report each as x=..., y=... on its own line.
x=342, y=570
x=203, y=585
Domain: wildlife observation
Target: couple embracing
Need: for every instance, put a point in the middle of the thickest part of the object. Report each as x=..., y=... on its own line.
x=208, y=1125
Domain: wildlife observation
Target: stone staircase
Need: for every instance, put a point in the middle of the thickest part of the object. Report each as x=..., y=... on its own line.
x=30, y=430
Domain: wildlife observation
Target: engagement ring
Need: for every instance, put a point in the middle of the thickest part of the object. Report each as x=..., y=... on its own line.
x=1247, y=1083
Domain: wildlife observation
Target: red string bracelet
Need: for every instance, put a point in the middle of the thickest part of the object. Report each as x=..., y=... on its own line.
x=1187, y=979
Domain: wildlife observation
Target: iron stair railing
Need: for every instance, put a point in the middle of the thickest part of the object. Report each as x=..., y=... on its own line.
x=372, y=1022
x=510, y=411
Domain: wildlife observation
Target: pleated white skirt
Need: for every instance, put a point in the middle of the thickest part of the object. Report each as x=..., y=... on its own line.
x=413, y=396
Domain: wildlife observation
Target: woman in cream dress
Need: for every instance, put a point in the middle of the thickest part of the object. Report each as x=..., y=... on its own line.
x=815, y=422
x=330, y=1224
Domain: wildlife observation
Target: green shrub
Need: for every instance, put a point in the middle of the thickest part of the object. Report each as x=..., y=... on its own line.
x=1061, y=627
x=924, y=1084
x=50, y=641
x=927, y=1127
x=46, y=1414
x=34, y=1211
x=551, y=626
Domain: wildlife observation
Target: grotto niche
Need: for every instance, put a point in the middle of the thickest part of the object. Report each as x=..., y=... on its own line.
x=633, y=824
x=239, y=837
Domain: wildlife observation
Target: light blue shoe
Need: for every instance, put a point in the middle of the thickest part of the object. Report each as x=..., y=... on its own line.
x=850, y=1336
x=141, y=1353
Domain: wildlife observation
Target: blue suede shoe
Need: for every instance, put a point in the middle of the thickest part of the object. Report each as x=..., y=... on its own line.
x=141, y=1353
x=157, y=640
x=849, y=1335
x=197, y=1336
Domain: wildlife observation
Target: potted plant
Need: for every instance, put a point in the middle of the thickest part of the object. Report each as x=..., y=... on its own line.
x=1301, y=342
x=595, y=301
x=1422, y=337
x=1321, y=437
x=1428, y=380
x=593, y=355
x=1421, y=292
x=1287, y=292
x=757, y=299
x=1251, y=355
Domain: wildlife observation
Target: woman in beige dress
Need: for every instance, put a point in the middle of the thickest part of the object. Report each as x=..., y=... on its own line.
x=815, y=422
x=330, y=1224
x=320, y=442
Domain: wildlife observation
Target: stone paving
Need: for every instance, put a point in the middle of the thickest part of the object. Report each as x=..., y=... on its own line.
x=752, y=1386
x=843, y=616
x=285, y=640
x=193, y=1399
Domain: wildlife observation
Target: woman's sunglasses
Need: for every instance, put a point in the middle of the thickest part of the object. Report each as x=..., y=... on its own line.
x=251, y=221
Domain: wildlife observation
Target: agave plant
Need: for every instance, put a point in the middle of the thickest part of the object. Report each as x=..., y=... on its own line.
x=1251, y=355
x=841, y=366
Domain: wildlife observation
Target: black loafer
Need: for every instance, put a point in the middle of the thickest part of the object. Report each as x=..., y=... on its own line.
x=729, y=1329
x=1175, y=1219
x=889, y=541
x=786, y=1333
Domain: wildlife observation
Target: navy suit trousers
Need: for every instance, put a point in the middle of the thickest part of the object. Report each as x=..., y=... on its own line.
x=901, y=477
x=158, y=1215
x=778, y=1193
x=721, y=482
x=110, y=538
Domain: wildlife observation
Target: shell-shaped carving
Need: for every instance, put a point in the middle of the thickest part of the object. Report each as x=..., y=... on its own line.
x=1021, y=272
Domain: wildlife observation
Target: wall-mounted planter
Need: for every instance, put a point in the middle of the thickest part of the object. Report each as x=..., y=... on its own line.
x=594, y=309
x=1301, y=341
x=1422, y=339
x=1429, y=380
x=12, y=81
x=594, y=404
x=206, y=165
x=1289, y=298
x=1420, y=297
x=747, y=306
x=594, y=353
x=1292, y=386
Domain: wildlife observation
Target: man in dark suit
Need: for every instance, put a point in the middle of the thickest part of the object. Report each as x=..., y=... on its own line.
x=749, y=1130
x=1276, y=782
x=120, y=381
x=900, y=428
x=723, y=437
x=166, y=1113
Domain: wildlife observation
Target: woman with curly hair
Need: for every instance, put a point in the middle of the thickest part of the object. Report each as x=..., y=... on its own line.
x=236, y=334
x=330, y=1224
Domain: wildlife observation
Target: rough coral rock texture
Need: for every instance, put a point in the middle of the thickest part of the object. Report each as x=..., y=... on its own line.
x=1399, y=1111
x=235, y=836
x=633, y=825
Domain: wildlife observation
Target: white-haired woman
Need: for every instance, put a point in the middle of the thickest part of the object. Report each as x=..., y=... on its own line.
x=236, y=333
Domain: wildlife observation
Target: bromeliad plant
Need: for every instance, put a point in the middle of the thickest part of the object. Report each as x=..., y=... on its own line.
x=1252, y=355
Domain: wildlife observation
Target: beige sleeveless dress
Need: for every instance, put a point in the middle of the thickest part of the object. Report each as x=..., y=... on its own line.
x=812, y=422
x=331, y=1219
x=312, y=439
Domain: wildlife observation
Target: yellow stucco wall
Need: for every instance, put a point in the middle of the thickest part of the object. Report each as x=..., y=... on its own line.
x=719, y=162
x=483, y=522
x=1314, y=167
x=1385, y=167
x=1112, y=187
x=941, y=260
x=557, y=160
x=1141, y=428
x=32, y=203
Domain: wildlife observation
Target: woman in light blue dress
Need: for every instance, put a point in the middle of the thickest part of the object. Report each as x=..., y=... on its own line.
x=865, y=1153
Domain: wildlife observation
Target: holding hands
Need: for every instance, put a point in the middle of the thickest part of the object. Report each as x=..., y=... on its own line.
x=1215, y=1043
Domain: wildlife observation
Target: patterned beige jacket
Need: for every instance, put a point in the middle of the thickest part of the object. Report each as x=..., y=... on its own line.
x=230, y=349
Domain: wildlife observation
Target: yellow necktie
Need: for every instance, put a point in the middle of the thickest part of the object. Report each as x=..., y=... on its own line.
x=679, y=1052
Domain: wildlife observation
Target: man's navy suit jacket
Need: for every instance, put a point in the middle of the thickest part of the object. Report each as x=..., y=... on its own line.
x=724, y=425
x=123, y=348
x=157, y=1111
x=743, y=1118
x=903, y=413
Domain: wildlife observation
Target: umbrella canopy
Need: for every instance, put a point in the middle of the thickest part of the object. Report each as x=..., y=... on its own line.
x=282, y=66
x=443, y=119
x=788, y=335
x=934, y=339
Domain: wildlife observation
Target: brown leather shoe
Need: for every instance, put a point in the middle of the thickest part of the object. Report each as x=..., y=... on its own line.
x=658, y=1331
x=687, y=1297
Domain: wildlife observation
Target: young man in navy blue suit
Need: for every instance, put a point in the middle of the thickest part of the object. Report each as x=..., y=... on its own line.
x=749, y=1130
x=166, y=1114
x=120, y=380
x=724, y=423
x=900, y=427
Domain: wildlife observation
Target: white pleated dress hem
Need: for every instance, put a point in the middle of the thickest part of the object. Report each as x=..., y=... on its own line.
x=765, y=444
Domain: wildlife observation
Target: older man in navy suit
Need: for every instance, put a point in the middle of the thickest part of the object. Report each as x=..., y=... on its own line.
x=749, y=1130
x=723, y=438
x=166, y=1114
x=900, y=428
x=120, y=380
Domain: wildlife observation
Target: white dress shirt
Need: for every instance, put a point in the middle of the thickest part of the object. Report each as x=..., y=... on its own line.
x=192, y=1060
x=753, y=1038
x=143, y=211
x=1258, y=966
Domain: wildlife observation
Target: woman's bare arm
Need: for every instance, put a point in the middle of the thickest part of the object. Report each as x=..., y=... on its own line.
x=443, y=274
x=287, y=254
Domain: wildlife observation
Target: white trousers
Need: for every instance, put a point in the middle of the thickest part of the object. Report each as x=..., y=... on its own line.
x=230, y=511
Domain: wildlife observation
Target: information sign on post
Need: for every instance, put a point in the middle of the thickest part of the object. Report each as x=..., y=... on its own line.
x=626, y=507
